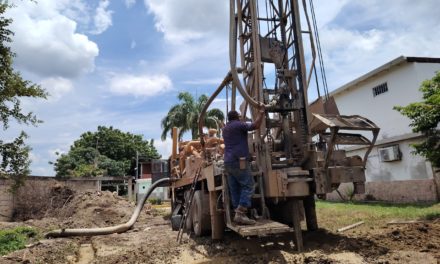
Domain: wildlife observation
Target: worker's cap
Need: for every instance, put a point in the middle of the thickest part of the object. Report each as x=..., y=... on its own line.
x=233, y=115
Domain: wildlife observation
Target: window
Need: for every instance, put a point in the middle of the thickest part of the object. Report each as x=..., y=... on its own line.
x=380, y=89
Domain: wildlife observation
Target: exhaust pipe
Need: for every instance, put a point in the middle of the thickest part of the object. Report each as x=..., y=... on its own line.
x=111, y=229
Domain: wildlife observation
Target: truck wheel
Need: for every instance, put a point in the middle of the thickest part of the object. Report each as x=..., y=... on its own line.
x=188, y=222
x=201, y=218
x=175, y=222
x=310, y=213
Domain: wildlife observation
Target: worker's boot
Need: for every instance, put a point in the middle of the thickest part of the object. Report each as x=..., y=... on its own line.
x=241, y=217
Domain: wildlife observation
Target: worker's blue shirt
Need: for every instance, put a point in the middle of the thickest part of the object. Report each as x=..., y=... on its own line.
x=235, y=138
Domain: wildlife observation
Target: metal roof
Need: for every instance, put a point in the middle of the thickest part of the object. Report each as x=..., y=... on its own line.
x=397, y=61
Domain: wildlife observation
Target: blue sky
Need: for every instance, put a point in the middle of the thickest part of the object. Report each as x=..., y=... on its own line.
x=123, y=62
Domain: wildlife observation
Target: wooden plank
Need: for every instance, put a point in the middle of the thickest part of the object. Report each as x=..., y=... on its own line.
x=217, y=218
x=342, y=229
x=262, y=227
x=185, y=181
x=297, y=225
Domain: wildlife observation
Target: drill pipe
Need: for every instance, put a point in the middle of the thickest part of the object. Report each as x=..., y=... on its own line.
x=111, y=229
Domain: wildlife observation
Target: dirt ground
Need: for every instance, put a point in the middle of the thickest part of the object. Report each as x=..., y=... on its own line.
x=152, y=240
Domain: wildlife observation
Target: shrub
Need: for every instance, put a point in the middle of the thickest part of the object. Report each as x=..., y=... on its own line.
x=157, y=201
x=15, y=239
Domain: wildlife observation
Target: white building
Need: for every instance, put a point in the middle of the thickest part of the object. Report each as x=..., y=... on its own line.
x=393, y=172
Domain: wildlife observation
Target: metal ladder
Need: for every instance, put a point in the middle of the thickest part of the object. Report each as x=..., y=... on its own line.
x=188, y=204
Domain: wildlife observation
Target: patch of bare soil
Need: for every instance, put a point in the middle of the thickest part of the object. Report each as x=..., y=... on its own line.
x=85, y=210
x=152, y=241
x=156, y=244
x=46, y=251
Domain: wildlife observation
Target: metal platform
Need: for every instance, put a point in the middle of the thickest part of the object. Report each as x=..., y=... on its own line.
x=263, y=227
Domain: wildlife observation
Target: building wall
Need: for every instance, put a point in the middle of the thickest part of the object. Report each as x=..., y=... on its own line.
x=145, y=171
x=82, y=186
x=411, y=178
x=410, y=167
x=403, y=84
x=410, y=191
x=6, y=200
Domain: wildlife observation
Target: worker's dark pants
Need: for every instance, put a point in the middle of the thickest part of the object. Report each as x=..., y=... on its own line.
x=241, y=185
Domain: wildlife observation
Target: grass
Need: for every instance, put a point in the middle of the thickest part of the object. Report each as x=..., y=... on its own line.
x=15, y=239
x=332, y=215
x=165, y=204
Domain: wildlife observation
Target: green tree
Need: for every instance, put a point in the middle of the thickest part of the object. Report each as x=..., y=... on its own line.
x=185, y=116
x=13, y=88
x=425, y=118
x=107, y=151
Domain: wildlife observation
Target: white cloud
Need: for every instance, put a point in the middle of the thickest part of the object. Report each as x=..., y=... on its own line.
x=140, y=85
x=365, y=35
x=57, y=87
x=103, y=17
x=52, y=153
x=129, y=3
x=46, y=42
x=191, y=19
x=213, y=81
x=34, y=157
x=164, y=147
x=326, y=10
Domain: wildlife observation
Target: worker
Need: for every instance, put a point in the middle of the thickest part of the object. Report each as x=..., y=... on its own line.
x=236, y=157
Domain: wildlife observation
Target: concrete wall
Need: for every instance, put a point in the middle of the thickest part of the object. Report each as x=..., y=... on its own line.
x=410, y=191
x=82, y=185
x=410, y=167
x=39, y=184
x=410, y=179
x=6, y=200
x=404, y=191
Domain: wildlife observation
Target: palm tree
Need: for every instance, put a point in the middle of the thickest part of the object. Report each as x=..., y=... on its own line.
x=185, y=116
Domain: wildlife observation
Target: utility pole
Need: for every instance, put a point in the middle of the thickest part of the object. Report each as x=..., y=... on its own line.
x=137, y=165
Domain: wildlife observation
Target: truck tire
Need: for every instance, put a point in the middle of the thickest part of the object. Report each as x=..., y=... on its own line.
x=310, y=213
x=201, y=219
x=175, y=222
x=188, y=222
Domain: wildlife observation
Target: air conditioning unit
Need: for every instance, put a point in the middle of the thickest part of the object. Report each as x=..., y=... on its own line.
x=391, y=153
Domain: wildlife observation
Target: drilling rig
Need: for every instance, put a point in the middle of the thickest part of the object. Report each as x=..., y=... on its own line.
x=297, y=154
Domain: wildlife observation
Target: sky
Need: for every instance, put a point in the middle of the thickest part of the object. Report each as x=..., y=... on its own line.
x=122, y=63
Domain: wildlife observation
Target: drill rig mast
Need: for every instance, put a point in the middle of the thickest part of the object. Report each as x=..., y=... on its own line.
x=294, y=152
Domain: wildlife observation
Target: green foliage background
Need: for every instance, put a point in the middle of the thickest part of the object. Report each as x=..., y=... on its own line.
x=106, y=152
x=185, y=116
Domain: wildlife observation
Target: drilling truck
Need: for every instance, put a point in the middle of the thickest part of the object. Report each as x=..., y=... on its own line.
x=297, y=155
